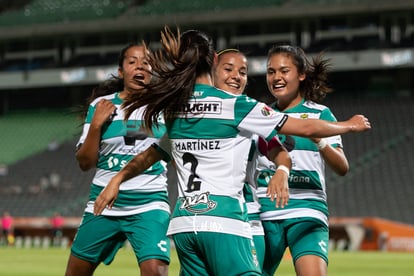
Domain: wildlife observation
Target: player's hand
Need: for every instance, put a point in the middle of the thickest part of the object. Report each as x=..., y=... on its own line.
x=104, y=109
x=278, y=188
x=359, y=123
x=107, y=197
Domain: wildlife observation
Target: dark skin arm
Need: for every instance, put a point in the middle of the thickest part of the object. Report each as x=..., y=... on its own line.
x=136, y=166
x=87, y=154
x=334, y=157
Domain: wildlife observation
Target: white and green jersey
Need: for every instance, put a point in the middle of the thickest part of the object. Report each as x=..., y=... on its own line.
x=307, y=190
x=210, y=141
x=250, y=191
x=120, y=142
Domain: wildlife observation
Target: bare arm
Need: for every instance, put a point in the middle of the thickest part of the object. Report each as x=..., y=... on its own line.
x=321, y=128
x=87, y=154
x=136, y=166
x=278, y=184
x=334, y=157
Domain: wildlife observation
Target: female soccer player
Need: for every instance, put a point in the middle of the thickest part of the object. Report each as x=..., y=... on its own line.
x=141, y=212
x=299, y=86
x=230, y=74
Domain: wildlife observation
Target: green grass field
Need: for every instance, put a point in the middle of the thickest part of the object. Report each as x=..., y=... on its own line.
x=45, y=262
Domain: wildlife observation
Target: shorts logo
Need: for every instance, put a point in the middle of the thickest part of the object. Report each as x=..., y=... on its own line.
x=254, y=254
x=322, y=245
x=161, y=245
x=198, y=204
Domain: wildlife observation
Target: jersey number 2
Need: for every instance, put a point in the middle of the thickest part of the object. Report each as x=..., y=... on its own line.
x=191, y=184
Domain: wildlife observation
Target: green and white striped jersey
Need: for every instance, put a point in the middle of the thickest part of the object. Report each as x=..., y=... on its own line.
x=210, y=141
x=307, y=188
x=120, y=141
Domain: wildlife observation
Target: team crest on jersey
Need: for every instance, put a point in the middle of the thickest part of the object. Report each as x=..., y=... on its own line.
x=304, y=116
x=198, y=204
x=267, y=111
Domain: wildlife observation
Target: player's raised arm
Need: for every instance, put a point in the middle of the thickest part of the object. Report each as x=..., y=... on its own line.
x=321, y=128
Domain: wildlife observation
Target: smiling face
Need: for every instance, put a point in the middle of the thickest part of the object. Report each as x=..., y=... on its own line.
x=283, y=80
x=135, y=69
x=230, y=72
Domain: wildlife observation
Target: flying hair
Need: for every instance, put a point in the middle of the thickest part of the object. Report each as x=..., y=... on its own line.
x=176, y=65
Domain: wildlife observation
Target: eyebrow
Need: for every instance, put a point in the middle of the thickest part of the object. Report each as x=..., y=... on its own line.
x=232, y=64
x=131, y=56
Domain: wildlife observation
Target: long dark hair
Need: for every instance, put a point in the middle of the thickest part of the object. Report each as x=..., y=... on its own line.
x=314, y=87
x=182, y=58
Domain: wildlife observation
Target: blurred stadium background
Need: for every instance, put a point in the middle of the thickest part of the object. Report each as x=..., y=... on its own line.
x=52, y=52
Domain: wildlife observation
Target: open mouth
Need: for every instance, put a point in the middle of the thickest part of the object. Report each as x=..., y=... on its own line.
x=234, y=85
x=277, y=86
x=139, y=78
